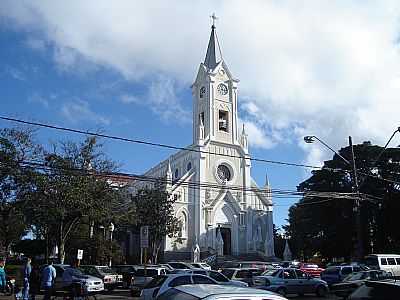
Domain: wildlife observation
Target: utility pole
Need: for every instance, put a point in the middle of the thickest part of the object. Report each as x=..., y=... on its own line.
x=357, y=206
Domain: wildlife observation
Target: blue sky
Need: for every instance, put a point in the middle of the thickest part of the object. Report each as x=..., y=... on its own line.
x=329, y=69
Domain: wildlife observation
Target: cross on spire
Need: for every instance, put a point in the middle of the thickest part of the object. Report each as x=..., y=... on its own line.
x=214, y=18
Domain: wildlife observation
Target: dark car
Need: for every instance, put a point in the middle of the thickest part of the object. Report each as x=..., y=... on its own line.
x=336, y=274
x=245, y=274
x=377, y=290
x=355, y=280
x=127, y=272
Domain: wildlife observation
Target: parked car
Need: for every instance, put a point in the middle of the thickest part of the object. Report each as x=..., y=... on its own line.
x=110, y=278
x=218, y=277
x=201, y=265
x=245, y=275
x=144, y=275
x=261, y=265
x=336, y=274
x=161, y=284
x=355, y=280
x=215, y=292
x=167, y=267
x=311, y=269
x=387, y=262
x=377, y=290
x=67, y=276
x=180, y=265
x=127, y=272
x=291, y=281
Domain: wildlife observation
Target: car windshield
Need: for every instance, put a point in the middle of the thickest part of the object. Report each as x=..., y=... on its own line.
x=74, y=272
x=105, y=270
x=156, y=282
x=149, y=272
x=371, y=261
x=355, y=276
x=271, y=273
x=332, y=271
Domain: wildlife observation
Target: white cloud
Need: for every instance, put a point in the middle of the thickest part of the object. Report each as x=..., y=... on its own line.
x=79, y=111
x=128, y=99
x=256, y=135
x=329, y=68
x=38, y=99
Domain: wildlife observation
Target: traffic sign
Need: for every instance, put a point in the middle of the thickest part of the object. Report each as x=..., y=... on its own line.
x=80, y=254
x=144, y=236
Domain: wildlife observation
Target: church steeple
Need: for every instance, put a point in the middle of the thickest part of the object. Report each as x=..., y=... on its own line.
x=211, y=56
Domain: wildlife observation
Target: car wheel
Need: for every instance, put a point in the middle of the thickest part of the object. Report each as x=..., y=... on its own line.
x=281, y=291
x=321, y=291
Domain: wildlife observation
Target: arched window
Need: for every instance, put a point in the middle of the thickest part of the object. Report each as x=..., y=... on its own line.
x=184, y=224
x=189, y=166
x=176, y=173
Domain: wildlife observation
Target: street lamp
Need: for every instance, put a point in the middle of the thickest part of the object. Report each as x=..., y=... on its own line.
x=356, y=186
x=309, y=139
x=359, y=244
x=111, y=229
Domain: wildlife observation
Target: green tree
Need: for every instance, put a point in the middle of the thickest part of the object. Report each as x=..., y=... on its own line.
x=69, y=192
x=16, y=147
x=154, y=208
x=327, y=224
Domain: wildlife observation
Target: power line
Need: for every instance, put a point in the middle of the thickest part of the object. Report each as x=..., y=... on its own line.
x=280, y=194
x=137, y=141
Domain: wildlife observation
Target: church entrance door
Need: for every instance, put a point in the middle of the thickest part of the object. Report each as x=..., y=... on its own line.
x=226, y=236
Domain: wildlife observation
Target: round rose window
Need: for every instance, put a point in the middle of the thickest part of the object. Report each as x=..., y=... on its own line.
x=223, y=173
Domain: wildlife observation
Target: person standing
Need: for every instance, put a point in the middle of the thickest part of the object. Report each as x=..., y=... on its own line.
x=34, y=281
x=48, y=277
x=27, y=274
x=2, y=277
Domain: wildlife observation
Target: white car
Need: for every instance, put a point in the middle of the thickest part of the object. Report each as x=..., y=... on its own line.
x=218, y=277
x=217, y=292
x=160, y=284
x=201, y=265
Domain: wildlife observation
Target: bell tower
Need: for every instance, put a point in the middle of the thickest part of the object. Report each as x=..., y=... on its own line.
x=214, y=98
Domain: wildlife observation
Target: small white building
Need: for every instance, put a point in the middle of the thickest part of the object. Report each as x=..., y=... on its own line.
x=214, y=192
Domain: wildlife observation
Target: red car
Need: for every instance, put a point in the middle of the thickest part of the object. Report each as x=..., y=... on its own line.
x=311, y=269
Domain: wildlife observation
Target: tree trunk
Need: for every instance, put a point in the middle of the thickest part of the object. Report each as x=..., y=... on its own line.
x=61, y=244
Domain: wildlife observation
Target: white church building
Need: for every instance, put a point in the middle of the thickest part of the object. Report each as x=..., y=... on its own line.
x=221, y=207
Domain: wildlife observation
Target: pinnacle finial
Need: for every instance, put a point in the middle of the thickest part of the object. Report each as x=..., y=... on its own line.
x=214, y=18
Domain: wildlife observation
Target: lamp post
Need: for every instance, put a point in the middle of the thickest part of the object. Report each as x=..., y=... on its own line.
x=111, y=229
x=359, y=237
x=356, y=184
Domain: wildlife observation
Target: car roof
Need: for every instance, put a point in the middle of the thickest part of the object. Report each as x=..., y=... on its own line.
x=204, y=290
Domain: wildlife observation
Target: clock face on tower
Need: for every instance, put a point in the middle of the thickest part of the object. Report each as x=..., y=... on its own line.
x=222, y=89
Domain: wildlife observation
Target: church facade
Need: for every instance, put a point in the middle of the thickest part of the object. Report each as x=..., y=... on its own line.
x=221, y=208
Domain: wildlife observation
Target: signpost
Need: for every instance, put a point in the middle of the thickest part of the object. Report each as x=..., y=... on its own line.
x=144, y=243
x=79, y=256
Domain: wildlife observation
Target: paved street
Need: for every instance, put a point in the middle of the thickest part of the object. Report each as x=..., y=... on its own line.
x=124, y=294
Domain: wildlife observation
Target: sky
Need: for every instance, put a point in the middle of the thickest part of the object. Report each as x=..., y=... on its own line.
x=317, y=67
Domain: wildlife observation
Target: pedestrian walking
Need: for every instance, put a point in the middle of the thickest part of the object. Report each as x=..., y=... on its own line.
x=27, y=274
x=48, y=276
x=2, y=277
x=34, y=281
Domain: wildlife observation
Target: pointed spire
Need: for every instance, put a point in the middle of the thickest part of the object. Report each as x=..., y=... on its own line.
x=169, y=171
x=266, y=179
x=211, y=59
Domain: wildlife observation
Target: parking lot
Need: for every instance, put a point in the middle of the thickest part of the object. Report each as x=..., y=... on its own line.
x=124, y=294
